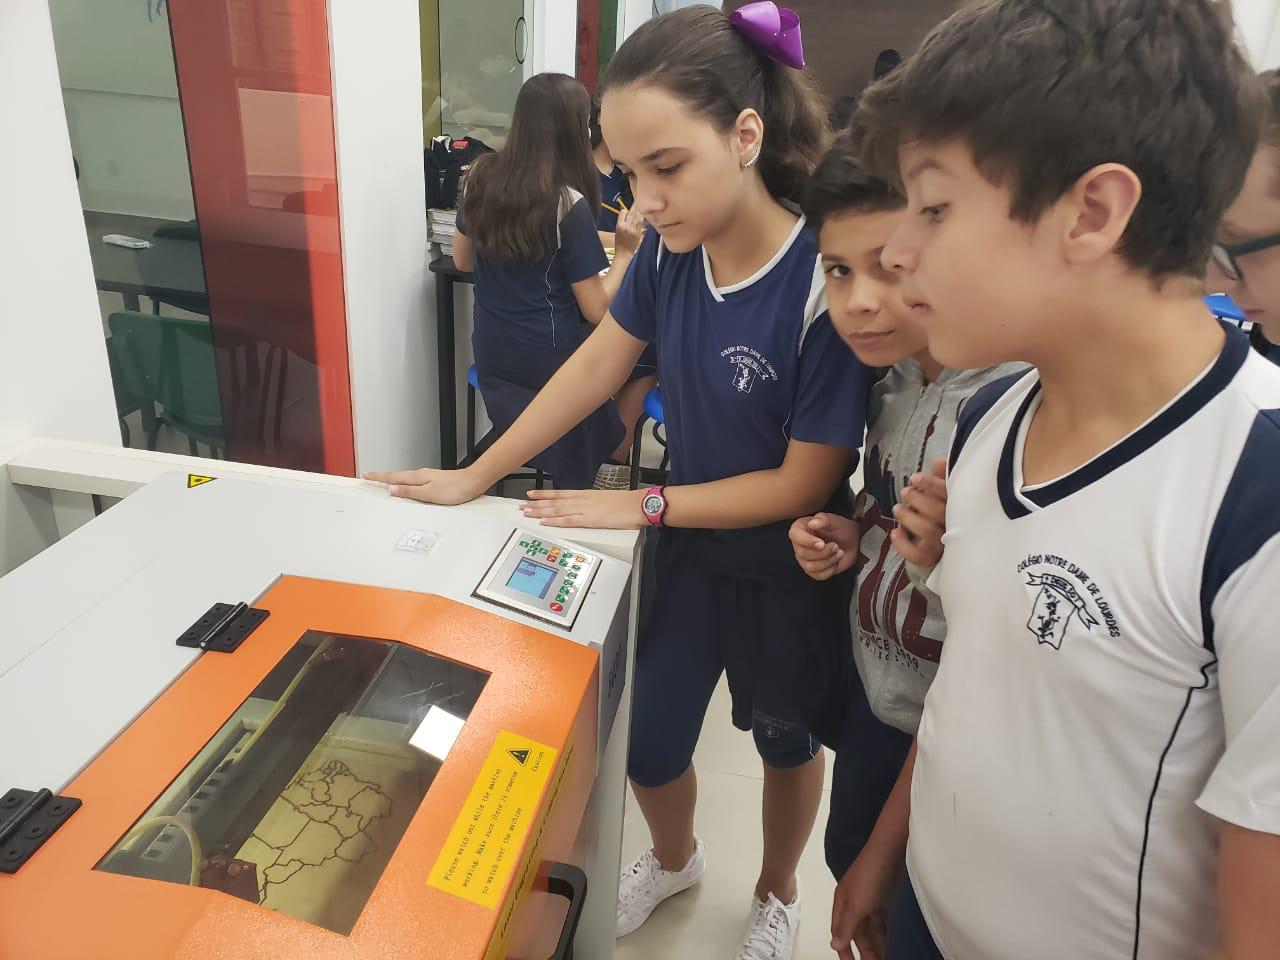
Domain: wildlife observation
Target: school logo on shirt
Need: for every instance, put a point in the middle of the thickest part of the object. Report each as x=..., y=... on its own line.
x=1062, y=595
x=749, y=366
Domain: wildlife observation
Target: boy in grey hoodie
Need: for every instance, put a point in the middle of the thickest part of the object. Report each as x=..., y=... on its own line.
x=898, y=625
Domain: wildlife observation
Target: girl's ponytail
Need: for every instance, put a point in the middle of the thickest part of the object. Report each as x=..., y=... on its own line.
x=796, y=133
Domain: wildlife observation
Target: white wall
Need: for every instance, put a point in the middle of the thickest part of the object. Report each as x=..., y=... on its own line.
x=1259, y=24
x=53, y=367
x=117, y=75
x=555, y=37
x=377, y=110
x=632, y=13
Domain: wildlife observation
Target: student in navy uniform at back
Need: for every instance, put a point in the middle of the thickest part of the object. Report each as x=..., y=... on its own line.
x=526, y=225
x=1246, y=258
x=1096, y=772
x=718, y=130
x=615, y=188
x=615, y=202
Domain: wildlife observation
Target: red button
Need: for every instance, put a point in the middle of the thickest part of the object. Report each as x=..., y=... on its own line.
x=557, y=608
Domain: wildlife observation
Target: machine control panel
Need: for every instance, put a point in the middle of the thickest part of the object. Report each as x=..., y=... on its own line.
x=542, y=578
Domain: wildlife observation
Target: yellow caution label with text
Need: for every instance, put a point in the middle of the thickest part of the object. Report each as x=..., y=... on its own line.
x=483, y=848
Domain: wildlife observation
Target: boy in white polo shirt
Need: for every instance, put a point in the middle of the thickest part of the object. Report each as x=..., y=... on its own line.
x=1097, y=770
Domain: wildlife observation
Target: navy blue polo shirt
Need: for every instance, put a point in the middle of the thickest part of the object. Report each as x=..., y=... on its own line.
x=747, y=368
x=615, y=190
x=533, y=303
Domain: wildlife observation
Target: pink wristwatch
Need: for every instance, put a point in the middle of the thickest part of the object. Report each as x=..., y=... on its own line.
x=654, y=506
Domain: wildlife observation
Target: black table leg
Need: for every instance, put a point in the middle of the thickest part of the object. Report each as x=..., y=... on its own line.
x=445, y=361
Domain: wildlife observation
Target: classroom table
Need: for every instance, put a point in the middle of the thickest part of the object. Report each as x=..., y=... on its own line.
x=170, y=270
x=447, y=274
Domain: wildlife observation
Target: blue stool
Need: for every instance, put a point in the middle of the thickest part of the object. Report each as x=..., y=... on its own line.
x=653, y=410
x=473, y=385
x=1223, y=307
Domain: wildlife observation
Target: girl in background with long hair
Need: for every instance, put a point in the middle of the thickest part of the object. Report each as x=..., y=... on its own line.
x=526, y=226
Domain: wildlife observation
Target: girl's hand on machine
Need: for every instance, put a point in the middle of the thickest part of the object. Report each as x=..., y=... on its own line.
x=445, y=487
x=600, y=509
x=629, y=233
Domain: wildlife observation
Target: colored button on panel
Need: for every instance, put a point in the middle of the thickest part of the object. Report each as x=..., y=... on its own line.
x=557, y=608
x=580, y=559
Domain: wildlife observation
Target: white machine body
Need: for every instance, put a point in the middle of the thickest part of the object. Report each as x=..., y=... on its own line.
x=88, y=627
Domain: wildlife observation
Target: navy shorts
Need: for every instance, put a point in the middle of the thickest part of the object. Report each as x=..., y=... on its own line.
x=721, y=601
x=869, y=758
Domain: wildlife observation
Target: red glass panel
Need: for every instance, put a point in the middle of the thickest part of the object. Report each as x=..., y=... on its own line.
x=256, y=93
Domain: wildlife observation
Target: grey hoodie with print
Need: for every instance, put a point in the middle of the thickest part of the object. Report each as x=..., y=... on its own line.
x=898, y=625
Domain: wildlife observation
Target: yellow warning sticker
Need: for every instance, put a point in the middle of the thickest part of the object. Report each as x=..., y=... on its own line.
x=528, y=869
x=195, y=480
x=482, y=850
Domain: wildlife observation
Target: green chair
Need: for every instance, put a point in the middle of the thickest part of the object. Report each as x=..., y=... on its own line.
x=169, y=361
x=126, y=400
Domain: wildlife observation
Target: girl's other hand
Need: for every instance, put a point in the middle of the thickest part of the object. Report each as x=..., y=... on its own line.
x=607, y=509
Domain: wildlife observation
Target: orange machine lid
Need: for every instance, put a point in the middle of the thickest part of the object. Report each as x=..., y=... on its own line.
x=81, y=896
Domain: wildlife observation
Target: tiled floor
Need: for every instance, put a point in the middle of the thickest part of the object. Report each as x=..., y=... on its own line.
x=707, y=922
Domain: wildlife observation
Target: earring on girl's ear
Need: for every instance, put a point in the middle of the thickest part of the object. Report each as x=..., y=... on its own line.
x=754, y=158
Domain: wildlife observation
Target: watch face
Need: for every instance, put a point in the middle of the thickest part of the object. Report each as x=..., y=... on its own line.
x=653, y=505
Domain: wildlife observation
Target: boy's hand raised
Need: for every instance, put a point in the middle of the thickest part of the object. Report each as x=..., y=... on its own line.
x=825, y=545
x=922, y=517
x=446, y=487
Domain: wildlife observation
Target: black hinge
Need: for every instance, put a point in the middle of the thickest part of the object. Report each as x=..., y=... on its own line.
x=27, y=819
x=224, y=627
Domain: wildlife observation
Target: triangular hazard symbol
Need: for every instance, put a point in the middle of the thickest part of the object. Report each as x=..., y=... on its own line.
x=195, y=480
x=521, y=756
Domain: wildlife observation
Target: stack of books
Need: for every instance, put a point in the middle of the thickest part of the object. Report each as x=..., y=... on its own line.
x=442, y=225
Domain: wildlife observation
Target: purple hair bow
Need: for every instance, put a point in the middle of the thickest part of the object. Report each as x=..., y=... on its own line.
x=773, y=30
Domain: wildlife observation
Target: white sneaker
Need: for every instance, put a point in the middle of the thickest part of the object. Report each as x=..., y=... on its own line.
x=771, y=929
x=645, y=884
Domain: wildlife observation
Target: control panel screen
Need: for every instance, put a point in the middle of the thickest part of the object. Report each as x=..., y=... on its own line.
x=531, y=578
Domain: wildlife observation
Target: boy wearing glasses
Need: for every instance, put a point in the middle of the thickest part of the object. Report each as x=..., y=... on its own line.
x=1246, y=258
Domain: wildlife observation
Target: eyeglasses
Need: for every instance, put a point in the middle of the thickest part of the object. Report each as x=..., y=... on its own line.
x=1227, y=255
